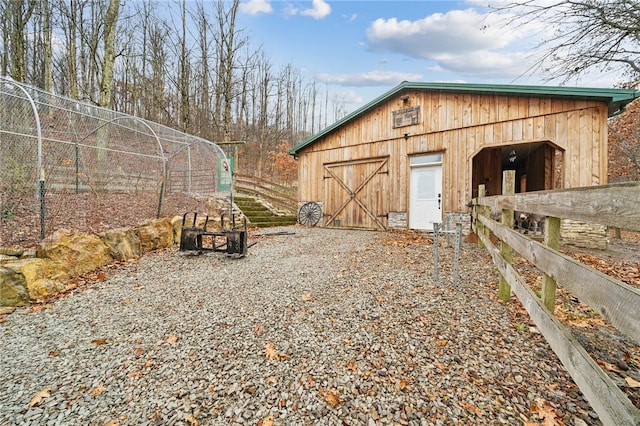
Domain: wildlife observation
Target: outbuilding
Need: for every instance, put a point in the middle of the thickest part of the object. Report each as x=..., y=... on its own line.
x=416, y=154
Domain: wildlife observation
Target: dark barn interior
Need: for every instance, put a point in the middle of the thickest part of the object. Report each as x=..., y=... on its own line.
x=535, y=165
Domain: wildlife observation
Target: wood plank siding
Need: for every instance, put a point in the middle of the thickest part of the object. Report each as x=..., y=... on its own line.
x=460, y=126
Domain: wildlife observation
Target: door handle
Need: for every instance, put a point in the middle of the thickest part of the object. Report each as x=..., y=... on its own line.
x=439, y=200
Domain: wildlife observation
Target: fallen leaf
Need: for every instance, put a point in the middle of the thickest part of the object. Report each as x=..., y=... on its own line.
x=546, y=412
x=440, y=365
x=37, y=308
x=138, y=353
x=270, y=351
x=99, y=341
x=192, y=420
x=632, y=383
x=401, y=384
x=44, y=393
x=352, y=365
x=112, y=423
x=472, y=408
x=267, y=421
x=271, y=380
x=258, y=330
x=332, y=399
x=307, y=297
x=97, y=390
x=609, y=367
x=171, y=339
x=441, y=342
x=53, y=352
x=134, y=374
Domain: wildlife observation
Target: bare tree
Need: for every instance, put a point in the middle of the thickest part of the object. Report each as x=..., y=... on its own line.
x=47, y=59
x=110, y=25
x=584, y=35
x=185, y=71
x=68, y=65
x=4, y=32
x=17, y=13
x=229, y=44
x=624, y=145
x=185, y=64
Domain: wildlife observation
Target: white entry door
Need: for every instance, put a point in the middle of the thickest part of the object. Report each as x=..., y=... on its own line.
x=425, y=195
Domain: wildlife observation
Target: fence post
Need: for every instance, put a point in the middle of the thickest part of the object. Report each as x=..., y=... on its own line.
x=480, y=211
x=456, y=258
x=436, y=230
x=508, y=188
x=551, y=240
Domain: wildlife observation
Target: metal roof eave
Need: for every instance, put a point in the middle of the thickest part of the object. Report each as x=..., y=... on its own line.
x=616, y=99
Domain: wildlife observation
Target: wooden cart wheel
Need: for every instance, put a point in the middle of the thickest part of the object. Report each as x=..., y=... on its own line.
x=310, y=213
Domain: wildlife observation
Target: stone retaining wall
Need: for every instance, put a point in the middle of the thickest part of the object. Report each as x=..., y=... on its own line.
x=27, y=275
x=584, y=235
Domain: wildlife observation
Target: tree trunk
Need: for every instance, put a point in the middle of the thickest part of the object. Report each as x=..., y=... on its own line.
x=184, y=74
x=110, y=25
x=18, y=13
x=47, y=66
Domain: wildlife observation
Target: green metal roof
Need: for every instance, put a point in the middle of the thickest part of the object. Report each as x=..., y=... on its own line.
x=615, y=98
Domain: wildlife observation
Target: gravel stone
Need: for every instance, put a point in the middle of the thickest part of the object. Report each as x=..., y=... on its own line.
x=320, y=326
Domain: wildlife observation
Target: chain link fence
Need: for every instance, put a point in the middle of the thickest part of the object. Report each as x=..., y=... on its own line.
x=69, y=164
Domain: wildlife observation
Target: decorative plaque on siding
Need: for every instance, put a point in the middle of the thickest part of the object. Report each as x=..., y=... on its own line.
x=406, y=117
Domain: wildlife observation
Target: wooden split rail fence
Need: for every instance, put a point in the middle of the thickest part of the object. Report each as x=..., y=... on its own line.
x=616, y=205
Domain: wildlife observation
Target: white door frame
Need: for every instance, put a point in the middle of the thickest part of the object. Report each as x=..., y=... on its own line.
x=425, y=204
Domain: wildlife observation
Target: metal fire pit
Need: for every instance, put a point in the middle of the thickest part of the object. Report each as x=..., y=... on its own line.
x=231, y=241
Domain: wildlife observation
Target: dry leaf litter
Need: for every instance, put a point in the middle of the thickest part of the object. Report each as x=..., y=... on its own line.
x=321, y=327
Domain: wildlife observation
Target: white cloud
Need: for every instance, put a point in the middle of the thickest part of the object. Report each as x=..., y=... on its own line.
x=455, y=31
x=350, y=18
x=253, y=7
x=462, y=41
x=370, y=78
x=483, y=63
x=347, y=97
x=320, y=9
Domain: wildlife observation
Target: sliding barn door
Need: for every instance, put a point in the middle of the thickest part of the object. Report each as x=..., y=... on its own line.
x=356, y=194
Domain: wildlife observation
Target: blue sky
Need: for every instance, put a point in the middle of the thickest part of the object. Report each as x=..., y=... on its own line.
x=361, y=49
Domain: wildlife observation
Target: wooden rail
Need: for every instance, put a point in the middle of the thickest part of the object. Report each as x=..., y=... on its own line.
x=280, y=196
x=610, y=205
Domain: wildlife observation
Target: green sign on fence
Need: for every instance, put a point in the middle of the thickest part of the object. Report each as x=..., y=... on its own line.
x=225, y=173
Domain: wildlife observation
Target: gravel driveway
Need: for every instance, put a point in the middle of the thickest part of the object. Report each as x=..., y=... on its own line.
x=320, y=327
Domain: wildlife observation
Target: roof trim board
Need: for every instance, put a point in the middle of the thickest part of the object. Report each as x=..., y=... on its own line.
x=616, y=99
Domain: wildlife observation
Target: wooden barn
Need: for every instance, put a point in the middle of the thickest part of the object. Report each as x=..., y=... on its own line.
x=416, y=154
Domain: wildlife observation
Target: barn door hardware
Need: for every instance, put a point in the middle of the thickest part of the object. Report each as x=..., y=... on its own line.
x=439, y=200
x=384, y=215
x=386, y=172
